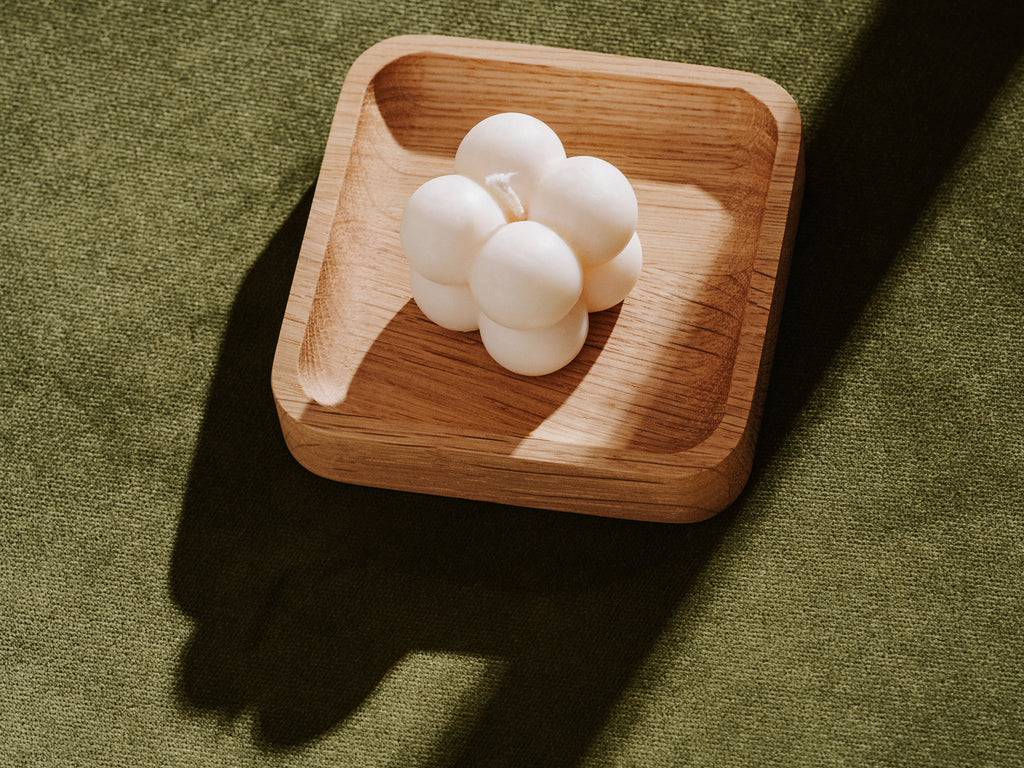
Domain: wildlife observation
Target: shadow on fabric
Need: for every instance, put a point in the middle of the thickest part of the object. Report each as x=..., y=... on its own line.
x=305, y=593
x=924, y=77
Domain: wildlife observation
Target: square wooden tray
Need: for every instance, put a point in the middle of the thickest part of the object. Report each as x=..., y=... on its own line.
x=658, y=416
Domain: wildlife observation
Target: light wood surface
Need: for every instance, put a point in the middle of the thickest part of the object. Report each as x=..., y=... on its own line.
x=657, y=418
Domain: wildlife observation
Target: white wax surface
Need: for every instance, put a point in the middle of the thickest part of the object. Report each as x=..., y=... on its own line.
x=540, y=351
x=590, y=204
x=510, y=143
x=607, y=284
x=450, y=306
x=445, y=223
x=526, y=277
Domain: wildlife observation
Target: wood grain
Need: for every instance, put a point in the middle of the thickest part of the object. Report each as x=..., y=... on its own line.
x=658, y=416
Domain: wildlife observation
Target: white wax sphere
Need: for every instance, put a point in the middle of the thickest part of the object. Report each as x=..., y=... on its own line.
x=512, y=144
x=607, y=284
x=590, y=204
x=450, y=306
x=526, y=276
x=540, y=351
x=445, y=222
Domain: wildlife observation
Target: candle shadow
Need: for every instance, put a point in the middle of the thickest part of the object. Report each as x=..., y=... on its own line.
x=305, y=593
x=464, y=389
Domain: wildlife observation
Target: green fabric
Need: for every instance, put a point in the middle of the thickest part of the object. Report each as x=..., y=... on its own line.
x=176, y=591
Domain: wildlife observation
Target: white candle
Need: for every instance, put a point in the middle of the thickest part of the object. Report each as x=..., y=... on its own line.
x=526, y=277
x=521, y=243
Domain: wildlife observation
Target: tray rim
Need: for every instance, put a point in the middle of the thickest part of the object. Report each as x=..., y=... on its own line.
x=708, y=476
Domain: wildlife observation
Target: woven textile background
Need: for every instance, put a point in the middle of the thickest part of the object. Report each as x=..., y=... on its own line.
x=176, y=591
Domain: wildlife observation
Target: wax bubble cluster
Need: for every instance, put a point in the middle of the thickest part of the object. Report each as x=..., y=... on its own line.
x=521, y=243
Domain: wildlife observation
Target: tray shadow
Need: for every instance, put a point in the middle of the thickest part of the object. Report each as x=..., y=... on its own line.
x=306, y=592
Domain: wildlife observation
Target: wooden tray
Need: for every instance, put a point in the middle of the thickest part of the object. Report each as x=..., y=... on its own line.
x=658, y=416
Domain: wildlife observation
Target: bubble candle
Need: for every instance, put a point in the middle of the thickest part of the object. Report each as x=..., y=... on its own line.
x=521, y=243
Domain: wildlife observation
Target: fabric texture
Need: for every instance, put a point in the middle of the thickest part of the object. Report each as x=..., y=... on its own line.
x=176, y=591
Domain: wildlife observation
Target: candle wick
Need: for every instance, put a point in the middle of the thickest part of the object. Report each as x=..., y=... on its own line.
x=500, y=186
